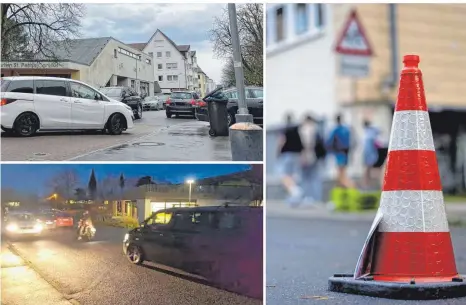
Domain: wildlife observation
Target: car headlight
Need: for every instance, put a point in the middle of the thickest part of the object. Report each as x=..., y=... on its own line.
x=12, y=227
x=129, y=108
x=49, y=222
x=126, y=237
x=38, y=227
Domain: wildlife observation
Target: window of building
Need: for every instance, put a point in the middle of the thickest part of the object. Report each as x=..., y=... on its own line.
x=148, y=61
x=51, y=87
x=280, y=23
x=159, y=66
x=129, y=53
x=302, y=18
x=21, y=86
x=159, y=54
x=167, y=54
x=172, y=66
x=151, y=54
x=172, y=77
x=320, y=16
x=115, y=53
x=132, y=83
x=160, y=78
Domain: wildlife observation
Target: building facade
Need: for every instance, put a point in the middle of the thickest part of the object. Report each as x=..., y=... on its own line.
x=98, y=62
x=300, y=45
x=202, y=77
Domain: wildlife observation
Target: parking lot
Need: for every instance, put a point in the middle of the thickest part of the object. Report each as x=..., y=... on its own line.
x=154, y=138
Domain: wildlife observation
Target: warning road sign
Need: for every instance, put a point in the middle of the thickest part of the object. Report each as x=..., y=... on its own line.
x=353, y=39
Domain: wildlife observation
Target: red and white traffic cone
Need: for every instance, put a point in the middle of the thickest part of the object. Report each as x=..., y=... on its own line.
x=409, y=254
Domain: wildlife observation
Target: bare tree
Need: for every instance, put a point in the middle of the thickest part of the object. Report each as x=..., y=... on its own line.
x=250, y=27
x=64, y=183
x=38, y=30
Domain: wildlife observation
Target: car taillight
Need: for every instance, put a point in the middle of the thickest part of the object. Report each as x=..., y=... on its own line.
x=168, y=101
x=202, y=104
x=193, y=102
x=6, y=101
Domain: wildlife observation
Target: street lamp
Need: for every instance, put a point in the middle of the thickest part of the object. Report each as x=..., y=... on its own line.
x=190, y=182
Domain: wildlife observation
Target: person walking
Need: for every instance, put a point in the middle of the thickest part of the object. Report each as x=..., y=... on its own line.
x=290, y=149
x=339, y=143
x=312, y=159
x=370, y=152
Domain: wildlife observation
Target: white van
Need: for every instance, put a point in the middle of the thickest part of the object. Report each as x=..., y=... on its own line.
x=32, y=103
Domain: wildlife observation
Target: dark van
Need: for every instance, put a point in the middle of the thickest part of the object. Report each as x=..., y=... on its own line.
x=223, y=244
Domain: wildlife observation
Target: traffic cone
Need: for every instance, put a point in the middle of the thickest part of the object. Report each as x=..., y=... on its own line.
x=408, y=254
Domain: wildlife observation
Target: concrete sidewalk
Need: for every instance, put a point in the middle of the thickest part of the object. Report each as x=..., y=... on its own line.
x=21, y=285
x=456, y=212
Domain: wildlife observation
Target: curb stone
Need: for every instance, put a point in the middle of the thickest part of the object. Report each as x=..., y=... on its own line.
x=28, y=263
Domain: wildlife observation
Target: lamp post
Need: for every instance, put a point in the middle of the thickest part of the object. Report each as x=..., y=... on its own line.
x=190, y=182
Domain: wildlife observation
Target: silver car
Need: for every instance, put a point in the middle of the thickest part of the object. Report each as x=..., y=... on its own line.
x=152, y=103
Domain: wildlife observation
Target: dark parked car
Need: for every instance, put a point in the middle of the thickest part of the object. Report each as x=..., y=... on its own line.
x=254, y=100
x=182, y=103
x=209, y=241
x=125, y=95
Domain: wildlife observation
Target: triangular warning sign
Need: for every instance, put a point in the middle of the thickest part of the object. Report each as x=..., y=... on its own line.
x=353, y=39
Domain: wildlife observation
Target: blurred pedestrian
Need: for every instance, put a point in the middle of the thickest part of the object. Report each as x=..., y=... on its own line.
x=339, y=143
x=370, y=152
x=313, y=157
x=290, y=148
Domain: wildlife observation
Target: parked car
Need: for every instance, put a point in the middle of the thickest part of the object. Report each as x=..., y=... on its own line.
x=165, y=98
x=19, y=224
x=254, y=101
x=127, y=96
x=210, y=241
x=64, y=220
x=35, y=103
x=182, y=103
x=152, y=103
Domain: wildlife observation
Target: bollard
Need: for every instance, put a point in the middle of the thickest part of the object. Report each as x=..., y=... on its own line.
x=246, y=139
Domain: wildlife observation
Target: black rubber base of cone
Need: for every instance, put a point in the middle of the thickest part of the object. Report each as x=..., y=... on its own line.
x=400, y=291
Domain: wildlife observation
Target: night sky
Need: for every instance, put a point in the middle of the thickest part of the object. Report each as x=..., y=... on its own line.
x=33, y=178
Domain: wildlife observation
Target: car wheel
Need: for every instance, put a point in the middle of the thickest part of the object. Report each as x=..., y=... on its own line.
x=115, y=124
x=138, y=114
x=26, y=124
x=169, y=115
x=135, y=255
x=230, y=119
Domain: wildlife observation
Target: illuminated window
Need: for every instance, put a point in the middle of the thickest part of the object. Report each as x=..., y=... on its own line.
x=162, y=218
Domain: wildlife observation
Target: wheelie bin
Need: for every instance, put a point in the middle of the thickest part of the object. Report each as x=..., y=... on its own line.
x=218, y=116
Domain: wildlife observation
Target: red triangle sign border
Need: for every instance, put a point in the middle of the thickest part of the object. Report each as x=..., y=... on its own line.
x=368, y=52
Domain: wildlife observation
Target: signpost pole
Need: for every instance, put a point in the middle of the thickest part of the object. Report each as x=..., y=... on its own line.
x=246, y=138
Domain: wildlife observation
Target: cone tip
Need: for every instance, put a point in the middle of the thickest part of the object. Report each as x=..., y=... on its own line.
x=411, y=60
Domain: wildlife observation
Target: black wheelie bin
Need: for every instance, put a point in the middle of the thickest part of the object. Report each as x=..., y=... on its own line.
x=218, y=116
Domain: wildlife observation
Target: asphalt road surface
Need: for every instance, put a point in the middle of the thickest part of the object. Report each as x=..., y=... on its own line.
x=60, y=146
x=303, y=253
x=95, y=273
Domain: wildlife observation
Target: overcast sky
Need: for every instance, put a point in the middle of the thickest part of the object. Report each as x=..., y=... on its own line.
x=183, y=23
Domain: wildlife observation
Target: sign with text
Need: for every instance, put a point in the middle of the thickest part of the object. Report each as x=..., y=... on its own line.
x=32, y=65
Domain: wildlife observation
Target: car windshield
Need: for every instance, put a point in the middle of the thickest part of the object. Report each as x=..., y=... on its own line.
x=181, y=95
x=112, y=92
x=22, y=217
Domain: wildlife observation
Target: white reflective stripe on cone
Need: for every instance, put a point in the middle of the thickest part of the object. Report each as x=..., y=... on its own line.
x=411, y=131
x=413, y=211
